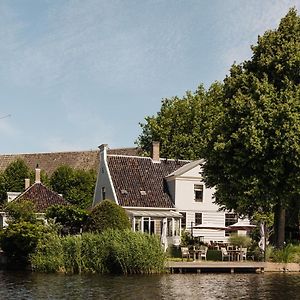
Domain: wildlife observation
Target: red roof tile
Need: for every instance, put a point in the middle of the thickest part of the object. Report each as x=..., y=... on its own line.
x=49, y=162
x=42, y=197
x=139, y=181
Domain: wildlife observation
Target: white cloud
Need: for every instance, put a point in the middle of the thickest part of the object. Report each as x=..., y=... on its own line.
x=243, y=23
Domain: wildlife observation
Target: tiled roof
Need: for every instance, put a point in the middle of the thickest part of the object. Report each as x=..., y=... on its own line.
x=49, y=162
x=126, y=151
x=139, y=181
x=42, y=197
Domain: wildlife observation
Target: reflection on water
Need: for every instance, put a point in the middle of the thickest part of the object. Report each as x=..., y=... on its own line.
x=177, y=286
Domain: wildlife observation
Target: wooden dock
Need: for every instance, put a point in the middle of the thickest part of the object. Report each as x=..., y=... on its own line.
x=215, y=267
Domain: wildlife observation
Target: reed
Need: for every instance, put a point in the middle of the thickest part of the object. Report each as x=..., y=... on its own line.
x=49, y=255
x=112, y=251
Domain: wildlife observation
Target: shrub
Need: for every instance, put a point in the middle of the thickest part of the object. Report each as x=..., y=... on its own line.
x=108, y=215
x=290, y=253
x=240, y=240
x=20, y=239
x=20, y=211
x=70, y=217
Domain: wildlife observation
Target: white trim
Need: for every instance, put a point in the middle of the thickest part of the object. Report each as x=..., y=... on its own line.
x=186, y=168
x=108, y=173
x=149, y=208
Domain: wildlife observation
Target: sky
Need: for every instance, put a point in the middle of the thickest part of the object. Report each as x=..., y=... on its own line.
x=76, y=74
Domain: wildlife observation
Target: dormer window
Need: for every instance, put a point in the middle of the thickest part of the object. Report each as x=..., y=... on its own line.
x=124, y=192
x=198, y=192
x=143, y=193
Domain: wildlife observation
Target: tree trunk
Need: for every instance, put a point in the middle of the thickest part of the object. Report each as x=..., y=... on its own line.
x=279, y=226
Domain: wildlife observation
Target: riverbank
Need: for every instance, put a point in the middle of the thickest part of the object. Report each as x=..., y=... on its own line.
x=230, y=267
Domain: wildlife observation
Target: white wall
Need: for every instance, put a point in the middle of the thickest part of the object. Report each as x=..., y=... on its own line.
x=103, y=180
x=182, y=191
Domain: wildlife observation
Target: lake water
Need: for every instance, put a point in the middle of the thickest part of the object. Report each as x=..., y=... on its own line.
x=21, y=285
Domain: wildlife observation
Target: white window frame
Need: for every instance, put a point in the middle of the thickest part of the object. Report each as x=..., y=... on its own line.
x=198, y=188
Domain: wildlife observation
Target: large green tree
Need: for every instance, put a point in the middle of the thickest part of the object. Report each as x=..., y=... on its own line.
x=252, y=152
x=13, y=178
x=76, y=186
x=178, y=126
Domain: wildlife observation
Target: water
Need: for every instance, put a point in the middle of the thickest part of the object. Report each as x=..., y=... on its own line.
x=20, y=285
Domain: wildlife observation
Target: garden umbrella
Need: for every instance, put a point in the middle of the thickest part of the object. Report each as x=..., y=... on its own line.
x=241, y=225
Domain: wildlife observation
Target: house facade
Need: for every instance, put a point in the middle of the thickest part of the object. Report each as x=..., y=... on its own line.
x=137, y=184
x=156, y=191
x=200, y=215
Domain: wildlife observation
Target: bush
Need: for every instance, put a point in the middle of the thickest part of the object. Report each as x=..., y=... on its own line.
x=239, y=240
x=290, y=253
x=108, y=215
x=70, y=217
x=20, y=239
x=21, y=211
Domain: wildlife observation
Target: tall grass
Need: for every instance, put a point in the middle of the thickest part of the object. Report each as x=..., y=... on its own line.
x=49, y=255
x=290, y=253
x=113, y=251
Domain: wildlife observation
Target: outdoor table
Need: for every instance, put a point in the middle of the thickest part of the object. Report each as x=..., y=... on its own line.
x=235, y=254
x=196, y=252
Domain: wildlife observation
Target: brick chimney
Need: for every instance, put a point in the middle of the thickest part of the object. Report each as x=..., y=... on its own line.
x=27, y=183
x=37, y=174
x=155, y=151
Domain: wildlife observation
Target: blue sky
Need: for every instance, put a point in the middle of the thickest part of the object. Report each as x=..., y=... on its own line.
x=76, y=74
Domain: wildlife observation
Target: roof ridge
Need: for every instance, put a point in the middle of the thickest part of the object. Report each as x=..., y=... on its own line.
x=56, y=152
x=148, y=157
x=34, y=184
x=132, y=156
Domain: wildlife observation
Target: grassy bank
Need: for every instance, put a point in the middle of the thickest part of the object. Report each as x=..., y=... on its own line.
x=113, y=251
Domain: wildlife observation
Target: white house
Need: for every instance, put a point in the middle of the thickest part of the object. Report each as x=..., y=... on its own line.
x=156, y=190
x=196, y=204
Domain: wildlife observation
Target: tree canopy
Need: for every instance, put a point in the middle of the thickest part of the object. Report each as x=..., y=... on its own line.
x=179, y=124
x=13, y=178
x=77, y=186
x=253, y=152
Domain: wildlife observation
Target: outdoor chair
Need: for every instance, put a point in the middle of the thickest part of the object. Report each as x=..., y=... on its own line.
x=225, y=254
x=244, y=253
x=185, y=253
x=203, y=252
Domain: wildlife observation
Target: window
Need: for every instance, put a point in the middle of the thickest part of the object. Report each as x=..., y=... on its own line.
x=183, y=220
x=198, y=218
x=198, y=192
x=103, y=193
x=148, y=225
x=229, y=220
x=138, y=224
